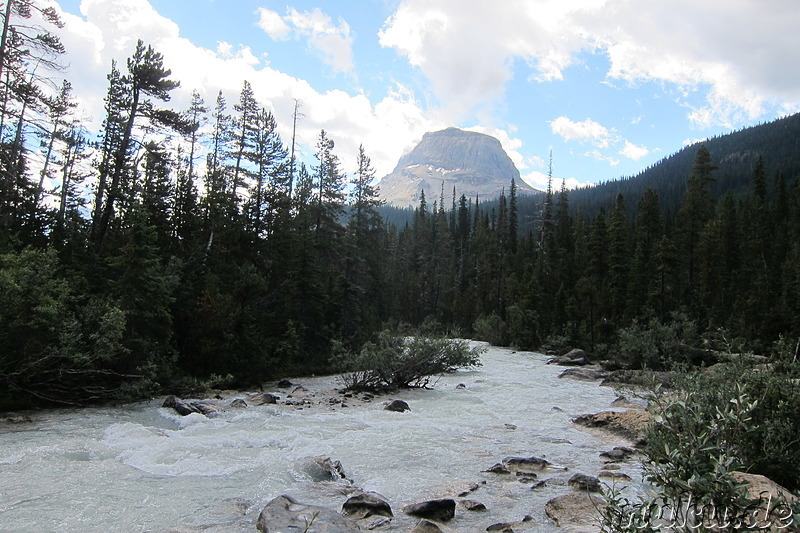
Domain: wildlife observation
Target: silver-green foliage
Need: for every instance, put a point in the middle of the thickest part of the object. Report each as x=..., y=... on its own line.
x=733, y=418
x=395, y=360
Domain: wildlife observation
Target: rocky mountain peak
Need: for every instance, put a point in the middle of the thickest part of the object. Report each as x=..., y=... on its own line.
x=474, y=163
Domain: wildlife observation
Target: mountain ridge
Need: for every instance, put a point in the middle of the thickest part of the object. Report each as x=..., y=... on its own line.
x=473, y=163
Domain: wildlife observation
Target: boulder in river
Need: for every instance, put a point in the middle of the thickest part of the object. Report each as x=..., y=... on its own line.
x=576, y=357
x=284, y=514
x=365, y=505
x=525, y=464
x=498, y=468
x=472, y=505
x=398, y=406
x=15, y=418
x=575, y=510
x=619, y=453
x=206, y=407
x=438, y=510
x=585, y=373
x=426, y=527
x=625, y=403
x=584, y=482
x=614, y=476
x=262, y=398
x=183, y=408
x=508, y=527
x=322, y=468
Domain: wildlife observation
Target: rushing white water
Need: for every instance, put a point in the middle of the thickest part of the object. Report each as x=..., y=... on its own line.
x=145, y=468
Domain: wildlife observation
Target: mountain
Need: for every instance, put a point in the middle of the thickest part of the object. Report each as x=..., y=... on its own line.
x=474, y=163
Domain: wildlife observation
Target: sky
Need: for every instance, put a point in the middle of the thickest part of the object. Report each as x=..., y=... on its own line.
x=609, y=87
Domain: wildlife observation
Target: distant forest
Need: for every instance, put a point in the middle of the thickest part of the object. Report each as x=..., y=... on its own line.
x=127, y=268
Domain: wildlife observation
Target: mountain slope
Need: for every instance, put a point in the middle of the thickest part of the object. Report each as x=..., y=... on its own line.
x=735, y=154
x=474, y=163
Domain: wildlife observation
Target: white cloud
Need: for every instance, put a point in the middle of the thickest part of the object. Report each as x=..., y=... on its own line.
x=273, y=24
x=538, y=180
x=109, y=30
x=466, y=48
x=598, y=155
x=631, y=151
x=737, y=55
x=586, y=130
x=689, y=142
x=331, y=42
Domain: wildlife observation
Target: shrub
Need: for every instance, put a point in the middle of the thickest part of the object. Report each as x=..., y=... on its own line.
x=653, y=344
x=735, y=417
x=491, y=329
x=395, y=360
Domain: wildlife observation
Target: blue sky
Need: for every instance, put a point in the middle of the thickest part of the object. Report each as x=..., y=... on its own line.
x=610, y=86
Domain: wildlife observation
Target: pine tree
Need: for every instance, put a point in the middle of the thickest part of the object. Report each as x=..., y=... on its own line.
x=147, y=78
x=362, y=294
x=618, y=258
x=246, y=128
x=268, y=193
x=696, y=210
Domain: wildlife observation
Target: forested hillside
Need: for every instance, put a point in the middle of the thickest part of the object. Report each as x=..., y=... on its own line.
x=735, y=156
x=129, y=266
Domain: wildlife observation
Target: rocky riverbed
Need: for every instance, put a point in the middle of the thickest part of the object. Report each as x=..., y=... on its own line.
x=494, y=448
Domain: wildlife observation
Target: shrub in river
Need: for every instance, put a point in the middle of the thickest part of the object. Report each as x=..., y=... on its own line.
x=394, y=360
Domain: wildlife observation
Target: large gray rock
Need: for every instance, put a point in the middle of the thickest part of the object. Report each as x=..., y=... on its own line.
x=183, y=408
x=770, y=503
x=284, y=514
x=619, y=453
x=525, y=464
x=426, y=527
x=576, y=357
x=398, y=406
x=438, y=510
x=578, y=511
x=365, y=505
x=498, y=468
x=262, y=398
x=472, y=505
x=585, y=373
x=206, y=407
x=584, y=482
x=321, y=468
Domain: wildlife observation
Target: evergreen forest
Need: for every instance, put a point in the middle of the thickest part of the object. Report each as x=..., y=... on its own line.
x=177, y=249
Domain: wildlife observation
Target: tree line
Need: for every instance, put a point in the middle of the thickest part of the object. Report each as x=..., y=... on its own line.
x=178, y=249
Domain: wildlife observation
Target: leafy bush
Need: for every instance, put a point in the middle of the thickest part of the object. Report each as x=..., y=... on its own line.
x=491, y=329
x=735, y=417
x=57, y=347
x=653, y=344
x=395, y=360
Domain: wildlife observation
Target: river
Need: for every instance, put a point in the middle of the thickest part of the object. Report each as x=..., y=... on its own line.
x=144, y=468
